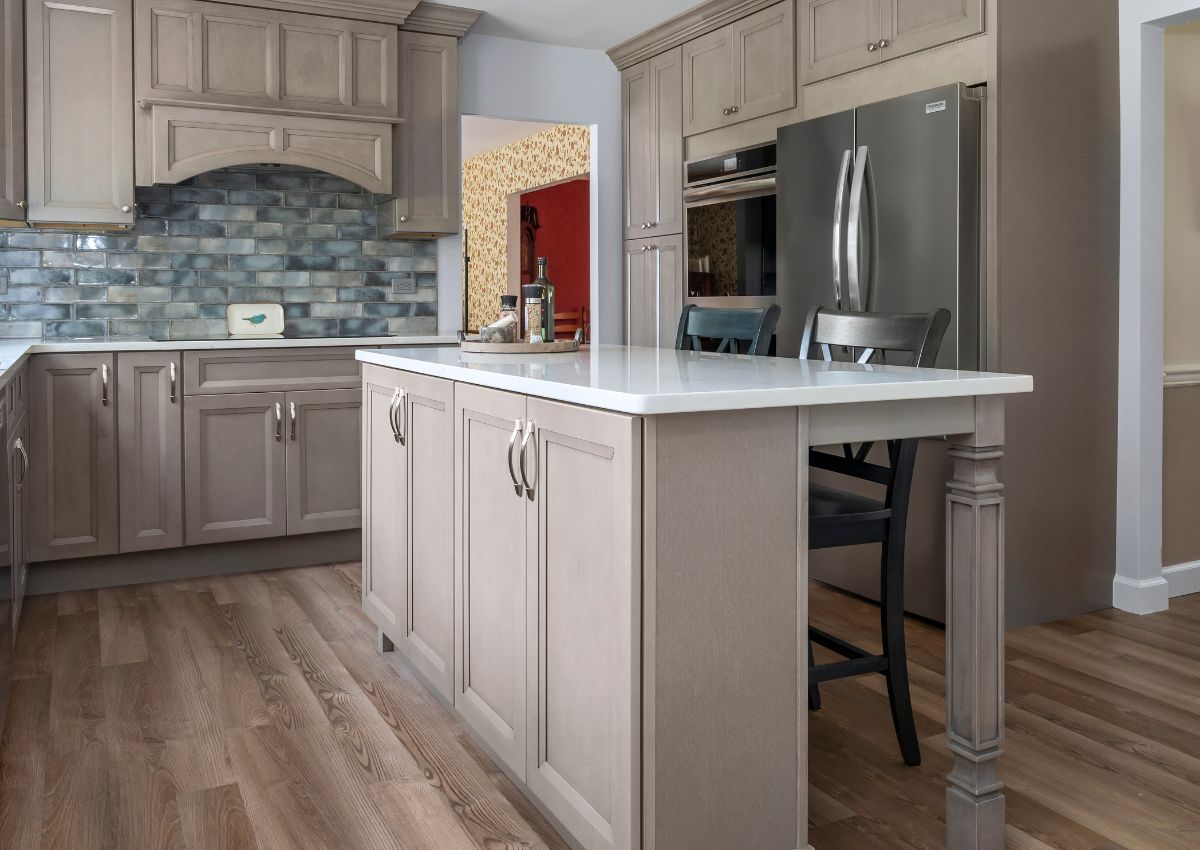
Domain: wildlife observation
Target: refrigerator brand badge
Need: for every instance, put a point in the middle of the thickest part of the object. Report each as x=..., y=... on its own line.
x=936, y=106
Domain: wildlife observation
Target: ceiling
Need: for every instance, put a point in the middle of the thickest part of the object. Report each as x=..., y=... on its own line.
x=574, y=23
x=480, y=134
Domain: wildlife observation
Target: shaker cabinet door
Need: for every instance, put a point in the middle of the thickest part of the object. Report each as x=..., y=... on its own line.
x=12, y=110
x=638, y=132
x=666, y=143
x=234, y=481
x=385, y=503
x=584, y=557
x=708, y=84
x=74, y=456
x=653, y=290
x=80, y=75
x=324, y=491
x=639, y=329
x=491, y=587
x=764, y=61
x=150, y=449
x=913, y=25
x=839, y=36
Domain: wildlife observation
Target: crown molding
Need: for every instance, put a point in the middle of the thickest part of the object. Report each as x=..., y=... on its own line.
x=394, y=12
x=683, y=27
x=436, y=19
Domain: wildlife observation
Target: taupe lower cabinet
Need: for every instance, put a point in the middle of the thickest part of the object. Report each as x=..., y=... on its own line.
x=150, y=449
x=322, y=460
x=12, y=110
x=79, y=75
x=547, y=555
x=741, y=71
x=74, y=490
x=652, y=99
x=846, y=35
x=408, y=485
x=653, y=290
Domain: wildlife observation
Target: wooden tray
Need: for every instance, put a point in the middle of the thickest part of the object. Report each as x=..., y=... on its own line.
x=558, y=346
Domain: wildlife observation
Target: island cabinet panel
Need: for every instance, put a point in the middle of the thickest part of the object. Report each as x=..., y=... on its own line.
x=227, y=55
x=150, y=449
x=408, y=532
x=12, y=110
x=322, y=459
x=583, y=533
x=492, y=586
x=79, y=76
x=235, y=485
x=653, y=290
x=426, y=144
x=74, y=488
x=653, y=143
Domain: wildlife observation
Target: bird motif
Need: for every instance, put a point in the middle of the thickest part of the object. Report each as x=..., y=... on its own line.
x=256, y=319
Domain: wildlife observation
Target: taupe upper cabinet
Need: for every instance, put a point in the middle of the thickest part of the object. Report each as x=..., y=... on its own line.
x=80, y=111
x=12, y=110
x=847, y=35
x=653, y=124
x=323, y=489
x=197, y=52
x=150, y=450
x=741, y=71
x=426, y=146
x=74, y=455
x=654, y=290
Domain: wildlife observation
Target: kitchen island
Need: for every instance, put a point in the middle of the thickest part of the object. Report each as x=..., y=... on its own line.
x=618, y=611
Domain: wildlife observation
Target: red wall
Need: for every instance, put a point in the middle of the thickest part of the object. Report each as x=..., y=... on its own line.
x=564, y=240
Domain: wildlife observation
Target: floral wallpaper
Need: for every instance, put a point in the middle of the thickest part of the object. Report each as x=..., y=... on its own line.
x=715, y=227
x=488, y=179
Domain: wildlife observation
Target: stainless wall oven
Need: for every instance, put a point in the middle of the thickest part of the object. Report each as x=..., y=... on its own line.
x=729, y=203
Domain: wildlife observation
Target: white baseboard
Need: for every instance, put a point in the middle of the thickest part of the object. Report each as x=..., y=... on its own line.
x=1140, y=596
x=1183, y=578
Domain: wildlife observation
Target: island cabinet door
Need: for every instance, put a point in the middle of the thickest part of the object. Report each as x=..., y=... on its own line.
x=385, y=503
x=74, y=455
x=149, y=447
x=584, y=571
x=490, y=591
x=324, y=491
x=234, y=480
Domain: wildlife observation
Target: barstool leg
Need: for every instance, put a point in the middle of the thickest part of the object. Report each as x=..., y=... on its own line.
x=814, y=690
x=892, y=615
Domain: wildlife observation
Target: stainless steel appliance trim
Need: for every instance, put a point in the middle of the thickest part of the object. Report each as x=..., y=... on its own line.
x=732, y=190
x=863, y=181
x=839, y=205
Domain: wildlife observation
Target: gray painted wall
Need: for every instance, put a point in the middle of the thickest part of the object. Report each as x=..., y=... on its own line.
x=275, y=234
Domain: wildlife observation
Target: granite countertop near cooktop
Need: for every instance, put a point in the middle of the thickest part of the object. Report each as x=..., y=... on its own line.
x=12, y=351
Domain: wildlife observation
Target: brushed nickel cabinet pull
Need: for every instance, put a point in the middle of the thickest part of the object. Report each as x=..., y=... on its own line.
x=392, y=414
x=104, y=384
x=292, y=415
x=19, y=445
x=278, y=423
x=530, y=431
x=512, y=444
x=174, y=382
x=402, y=408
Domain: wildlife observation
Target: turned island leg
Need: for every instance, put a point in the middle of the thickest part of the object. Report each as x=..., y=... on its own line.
x=975, y=634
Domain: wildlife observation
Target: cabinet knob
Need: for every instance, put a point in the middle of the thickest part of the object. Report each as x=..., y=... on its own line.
x=883, y=42
x=725, y=111
x=404, y=218
x=734, y=110
x=872, y=47
x=22, y=204
x=126, y=208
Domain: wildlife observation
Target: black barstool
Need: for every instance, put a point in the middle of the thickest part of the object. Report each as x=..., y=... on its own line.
x=744, y=331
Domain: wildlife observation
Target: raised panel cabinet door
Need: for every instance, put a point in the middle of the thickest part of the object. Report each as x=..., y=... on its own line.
x=912, y=25
x=839, y=36
x=491, y=587
x=666, y=142
x=639, y=308
x=79, y=75
x=764, y=61
x=426, y=143
x=12, y=110
x=18, y=499
x=426, y=426
x=74, y=456
x=150, y=449
x=665, y=288
x=324, y=490
x=584, y=549
x=637, y=145
x=708, y=84
x=385, y=503
x=233, y=473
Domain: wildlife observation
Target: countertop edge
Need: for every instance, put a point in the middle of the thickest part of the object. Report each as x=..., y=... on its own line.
x=668, y=403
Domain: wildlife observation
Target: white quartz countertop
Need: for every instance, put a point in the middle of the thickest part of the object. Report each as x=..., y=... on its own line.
x=656, y=380
x=12, y=350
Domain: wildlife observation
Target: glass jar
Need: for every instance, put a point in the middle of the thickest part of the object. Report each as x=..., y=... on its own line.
x=534, y=315
x=508, y=310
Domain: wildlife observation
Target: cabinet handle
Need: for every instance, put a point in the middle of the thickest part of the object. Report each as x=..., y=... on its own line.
x=278, y=423
x=734, y=110
x=883, y=42
x=512, y=444
x=403, y=218
x=174, y=382
x=292, y=416
x=872, y=47
x=530, y=431
x=725, y=111
x=392, y=414
x=402, y=424
x=126, y=208
x=104, y=384
x=19, y=445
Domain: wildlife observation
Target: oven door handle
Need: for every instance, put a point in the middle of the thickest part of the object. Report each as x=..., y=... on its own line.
x=731, y=190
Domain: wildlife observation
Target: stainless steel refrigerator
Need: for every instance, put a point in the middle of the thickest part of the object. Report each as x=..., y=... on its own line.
x=879, y=209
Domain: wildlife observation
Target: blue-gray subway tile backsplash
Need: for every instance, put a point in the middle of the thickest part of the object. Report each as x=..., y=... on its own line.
x=304, y=239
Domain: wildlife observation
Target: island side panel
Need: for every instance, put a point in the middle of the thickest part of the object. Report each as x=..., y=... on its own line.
x=722, y=629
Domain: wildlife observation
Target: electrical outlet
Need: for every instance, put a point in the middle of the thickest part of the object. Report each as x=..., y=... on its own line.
x=404, y=283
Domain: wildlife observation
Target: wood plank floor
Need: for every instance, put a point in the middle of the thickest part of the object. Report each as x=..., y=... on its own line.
x=252, y=712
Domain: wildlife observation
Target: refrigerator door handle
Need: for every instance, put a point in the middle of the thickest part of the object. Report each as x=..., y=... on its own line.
x=863, y=179
x=839, y=205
